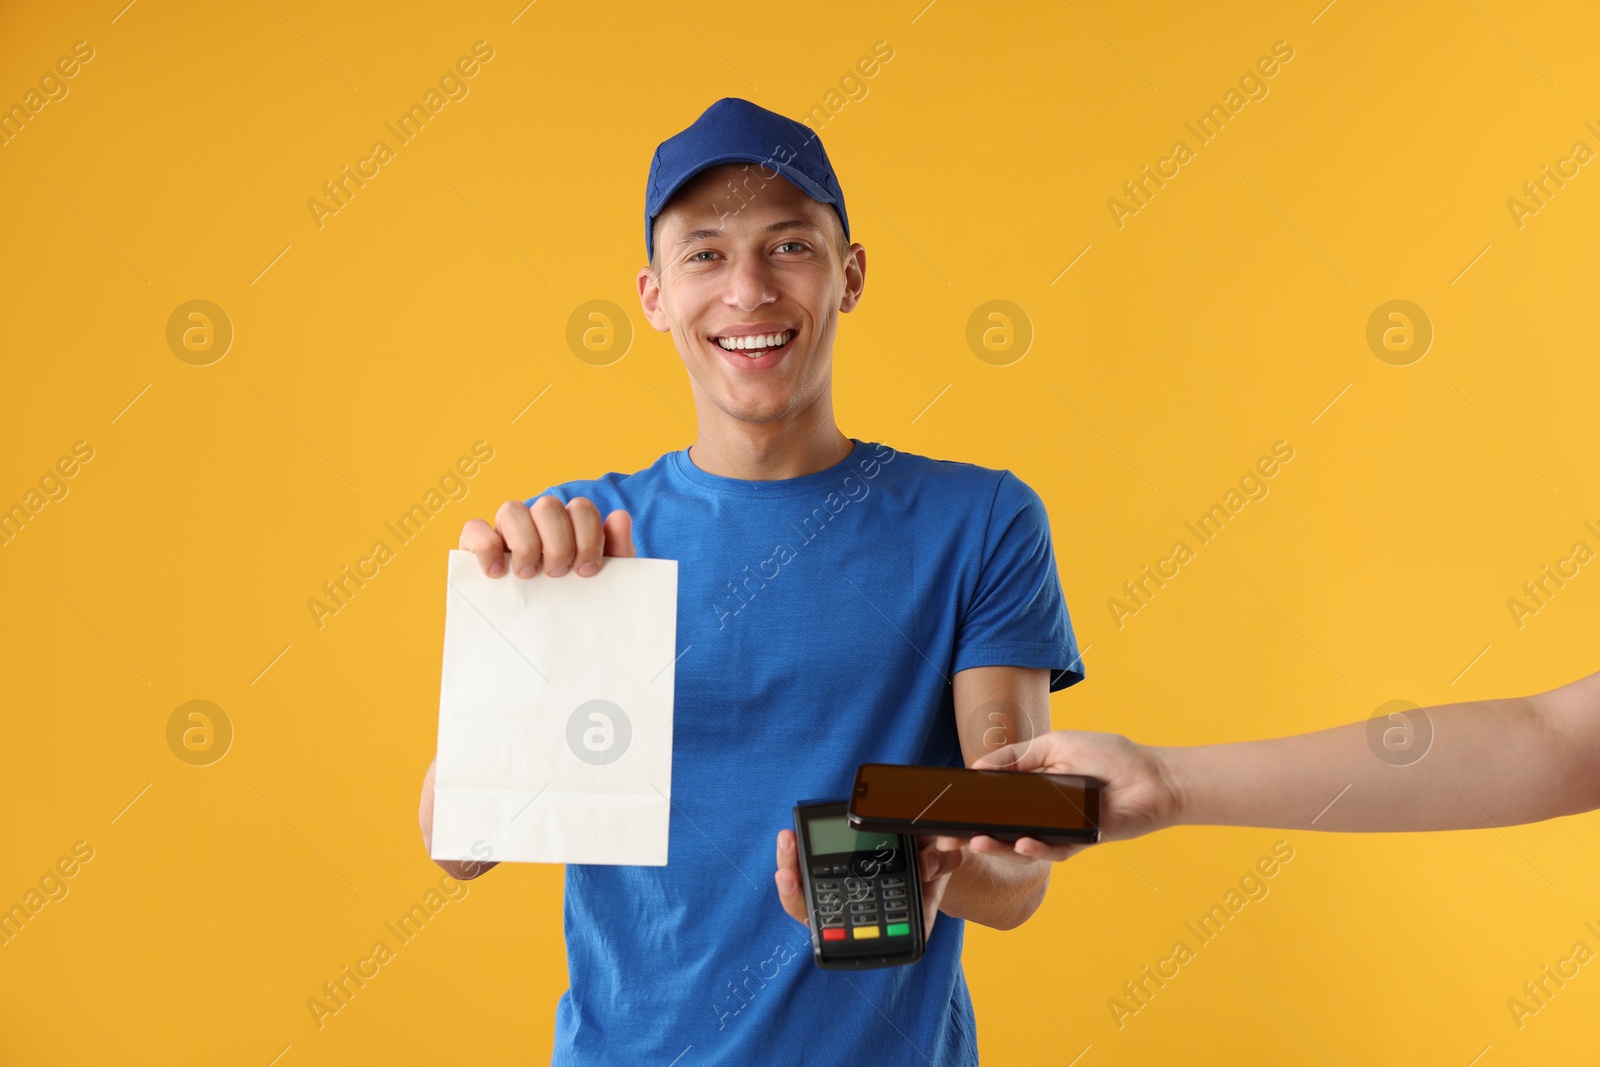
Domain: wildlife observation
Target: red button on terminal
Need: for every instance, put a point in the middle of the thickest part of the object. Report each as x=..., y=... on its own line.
x=833, y=934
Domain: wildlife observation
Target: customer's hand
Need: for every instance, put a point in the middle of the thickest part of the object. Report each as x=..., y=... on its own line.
x=545, y=536
x=1137, y=794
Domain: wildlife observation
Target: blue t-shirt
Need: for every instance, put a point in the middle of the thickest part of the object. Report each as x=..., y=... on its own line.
x=820, y=620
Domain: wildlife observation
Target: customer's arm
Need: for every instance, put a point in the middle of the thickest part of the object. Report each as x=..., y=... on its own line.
x=1486, y=763
x=1490, y=762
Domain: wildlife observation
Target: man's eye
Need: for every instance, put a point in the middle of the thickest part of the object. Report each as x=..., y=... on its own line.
x=796, y=244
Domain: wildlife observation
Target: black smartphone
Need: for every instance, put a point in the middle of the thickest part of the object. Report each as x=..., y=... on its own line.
x=1058, y=809
x=861, y=888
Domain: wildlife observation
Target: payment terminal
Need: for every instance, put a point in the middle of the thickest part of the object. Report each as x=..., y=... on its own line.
x=862, y=890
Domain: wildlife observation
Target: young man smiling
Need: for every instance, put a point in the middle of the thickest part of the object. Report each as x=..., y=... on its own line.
x=922, y=623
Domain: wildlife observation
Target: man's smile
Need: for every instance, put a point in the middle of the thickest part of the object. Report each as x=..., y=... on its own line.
x=757, y=346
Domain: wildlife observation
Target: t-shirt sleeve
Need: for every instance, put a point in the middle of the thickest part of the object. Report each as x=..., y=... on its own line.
x=602, y=492
x=1017, y=616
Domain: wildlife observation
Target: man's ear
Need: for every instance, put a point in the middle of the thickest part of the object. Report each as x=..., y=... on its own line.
x=855, y=277
x=650, y=300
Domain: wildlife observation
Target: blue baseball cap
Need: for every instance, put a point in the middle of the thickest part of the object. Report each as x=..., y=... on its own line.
x=736, y=131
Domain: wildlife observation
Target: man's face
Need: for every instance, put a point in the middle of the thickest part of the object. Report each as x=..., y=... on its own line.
x=743, y=256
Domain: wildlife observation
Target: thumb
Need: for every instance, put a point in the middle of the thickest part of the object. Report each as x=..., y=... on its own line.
x=1020, y=756
x=619, y=535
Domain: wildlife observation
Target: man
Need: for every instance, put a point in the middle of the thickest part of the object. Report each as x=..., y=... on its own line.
x=839, y=602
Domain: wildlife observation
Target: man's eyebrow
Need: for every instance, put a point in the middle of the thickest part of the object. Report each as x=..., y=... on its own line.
x=787, y=224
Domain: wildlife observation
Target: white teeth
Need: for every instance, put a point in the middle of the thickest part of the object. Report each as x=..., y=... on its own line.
x=755, y=343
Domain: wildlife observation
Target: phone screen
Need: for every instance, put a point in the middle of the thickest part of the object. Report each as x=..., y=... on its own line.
x=959, y=795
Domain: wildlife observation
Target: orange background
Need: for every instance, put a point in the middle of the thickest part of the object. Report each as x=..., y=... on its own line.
x=368, y=354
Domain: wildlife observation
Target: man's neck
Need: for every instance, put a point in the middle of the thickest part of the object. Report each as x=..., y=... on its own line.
x=768, y=452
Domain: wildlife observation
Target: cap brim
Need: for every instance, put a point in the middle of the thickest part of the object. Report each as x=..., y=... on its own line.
x=800, y=181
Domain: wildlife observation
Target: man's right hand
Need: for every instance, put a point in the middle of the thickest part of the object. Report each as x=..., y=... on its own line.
x=545, y=536
x=548, y=537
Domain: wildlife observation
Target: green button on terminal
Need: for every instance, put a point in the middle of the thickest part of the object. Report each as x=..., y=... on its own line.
x=898, y=930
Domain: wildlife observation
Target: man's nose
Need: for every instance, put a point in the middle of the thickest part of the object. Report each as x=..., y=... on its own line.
x=751, y=283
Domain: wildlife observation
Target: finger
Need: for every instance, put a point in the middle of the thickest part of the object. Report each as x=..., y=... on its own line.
x=949, y=844
x=550, y=518
x=479, y=538
x=787, y=878
x=467, y=870
x=588, y=538
x=1024, y=847
x=515, y=527
x=984, y=845
x=425, y=808
x=993, y=846
x=1038, y=850
x=1019, y=852
x=619, y=534
x=936, y=864
x=932, y=898
x=1019, y=756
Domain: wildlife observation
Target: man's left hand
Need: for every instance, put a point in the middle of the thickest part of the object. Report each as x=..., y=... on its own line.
x=937, y=858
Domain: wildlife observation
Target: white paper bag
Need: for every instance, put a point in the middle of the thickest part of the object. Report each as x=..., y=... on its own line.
x=555, y=715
